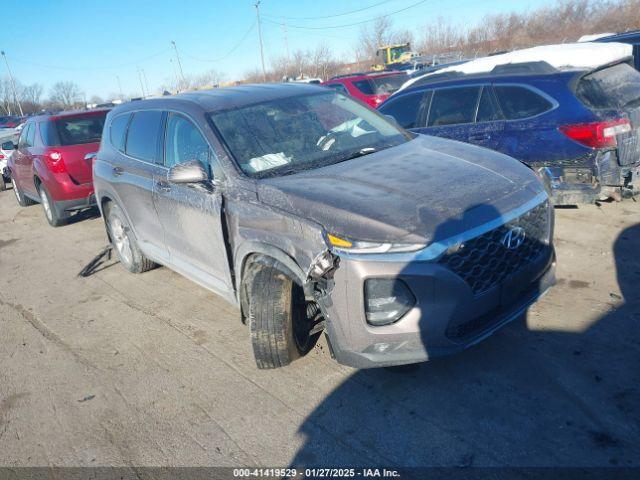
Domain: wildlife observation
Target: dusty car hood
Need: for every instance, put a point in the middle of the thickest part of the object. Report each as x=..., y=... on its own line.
x=424, y=190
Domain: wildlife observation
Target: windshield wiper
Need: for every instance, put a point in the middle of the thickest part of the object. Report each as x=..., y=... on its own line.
x=361, y=153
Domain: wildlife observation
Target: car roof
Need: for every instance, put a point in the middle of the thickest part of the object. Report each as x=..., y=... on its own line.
x=631, y=35
x=225, y=98
x=360, y=76
x=506, y=76
x=68, y=113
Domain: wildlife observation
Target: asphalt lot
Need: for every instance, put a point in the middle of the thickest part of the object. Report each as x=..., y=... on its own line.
x=122, y=369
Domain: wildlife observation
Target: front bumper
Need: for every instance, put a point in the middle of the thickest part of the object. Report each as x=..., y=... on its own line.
x=446, y=319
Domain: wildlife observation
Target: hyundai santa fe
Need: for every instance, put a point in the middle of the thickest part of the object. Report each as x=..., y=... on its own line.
x=312, y=213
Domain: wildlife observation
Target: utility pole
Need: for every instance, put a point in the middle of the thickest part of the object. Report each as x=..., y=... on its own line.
x=286, y=43
x=178, y=59
x=120, y=87
x=13, y=84
x=144, y=75
x=175, y=72
x=264, y=70
x=141, y=84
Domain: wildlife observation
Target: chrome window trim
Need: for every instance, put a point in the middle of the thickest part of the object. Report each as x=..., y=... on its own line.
x=435, y=250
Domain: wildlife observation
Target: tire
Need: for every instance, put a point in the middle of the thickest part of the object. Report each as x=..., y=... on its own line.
x=52, y=215
x=3, y=183
x=124, y=242
x=278, y=319
x=22, y=200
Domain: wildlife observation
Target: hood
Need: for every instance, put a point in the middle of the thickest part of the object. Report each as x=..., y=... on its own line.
x=424, y=190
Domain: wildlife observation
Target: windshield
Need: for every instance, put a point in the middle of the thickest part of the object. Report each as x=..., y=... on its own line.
x=291, y=134
x=388, y=84
x=78, y=130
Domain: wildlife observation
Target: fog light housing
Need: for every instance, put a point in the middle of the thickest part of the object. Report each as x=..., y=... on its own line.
x=386, y=300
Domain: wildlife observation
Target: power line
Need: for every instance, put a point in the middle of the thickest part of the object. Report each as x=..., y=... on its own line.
x=109, y=67
x=350, y=24
x=226, y=55
x=329, y=16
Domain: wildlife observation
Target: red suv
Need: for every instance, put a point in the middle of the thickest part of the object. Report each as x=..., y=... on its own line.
x=371, y=88
x=53, y=160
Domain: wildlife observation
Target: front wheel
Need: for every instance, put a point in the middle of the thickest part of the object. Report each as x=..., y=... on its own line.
x=124, y=242
x=22, y=200
x=281, y=331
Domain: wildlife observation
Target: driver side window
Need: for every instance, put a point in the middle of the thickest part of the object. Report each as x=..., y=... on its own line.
x=184, y=143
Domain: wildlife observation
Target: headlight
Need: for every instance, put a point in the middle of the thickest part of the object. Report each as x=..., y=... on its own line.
x=386, y=300
x=340, y=245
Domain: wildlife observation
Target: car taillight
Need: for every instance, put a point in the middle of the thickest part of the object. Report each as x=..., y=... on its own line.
x=55, y=162
x=597, y=134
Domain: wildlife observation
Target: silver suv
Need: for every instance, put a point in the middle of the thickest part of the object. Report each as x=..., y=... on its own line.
x=312, y=213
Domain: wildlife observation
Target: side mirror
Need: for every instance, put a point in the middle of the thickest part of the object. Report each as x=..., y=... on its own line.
x=188, y=172
x=393, y=120
x=9, y=146
x=91, y=156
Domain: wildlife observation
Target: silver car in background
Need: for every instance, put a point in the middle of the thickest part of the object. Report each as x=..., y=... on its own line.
x=312, y=213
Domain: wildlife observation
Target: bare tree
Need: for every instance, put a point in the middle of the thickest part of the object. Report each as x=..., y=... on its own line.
x=66, y=95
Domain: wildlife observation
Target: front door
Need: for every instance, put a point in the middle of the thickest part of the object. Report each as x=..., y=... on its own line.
x=191, y=214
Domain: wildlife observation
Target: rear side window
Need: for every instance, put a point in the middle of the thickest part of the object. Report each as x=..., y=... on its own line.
x=81, y=129
x=404, y=109
x=613, y=87
x=117, y=131
x=364, y=86
x=453, y=106
x=488, y=110
x=519, y=102
x=143, y=135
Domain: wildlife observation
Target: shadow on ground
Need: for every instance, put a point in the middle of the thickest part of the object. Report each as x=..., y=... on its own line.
x=520, y=398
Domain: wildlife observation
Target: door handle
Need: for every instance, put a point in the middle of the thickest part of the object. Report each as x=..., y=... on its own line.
x=481, y=137
x=117, y=171
x=163, y=186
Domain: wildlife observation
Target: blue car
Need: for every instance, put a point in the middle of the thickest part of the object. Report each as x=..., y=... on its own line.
x=577, y=129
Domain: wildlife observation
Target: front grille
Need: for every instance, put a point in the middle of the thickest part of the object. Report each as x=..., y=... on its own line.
x=484, y=261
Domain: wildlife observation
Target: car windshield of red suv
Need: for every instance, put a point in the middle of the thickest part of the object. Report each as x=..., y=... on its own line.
x=75, y=130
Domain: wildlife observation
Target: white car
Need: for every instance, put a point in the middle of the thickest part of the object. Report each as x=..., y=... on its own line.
x=6, y=135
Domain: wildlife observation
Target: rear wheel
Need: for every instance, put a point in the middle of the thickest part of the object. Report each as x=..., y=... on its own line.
x=280, y=327
x=124, y=243
x=52, y=215
x=22, y=200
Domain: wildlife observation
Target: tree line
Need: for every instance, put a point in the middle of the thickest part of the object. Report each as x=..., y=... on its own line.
x=565, y=21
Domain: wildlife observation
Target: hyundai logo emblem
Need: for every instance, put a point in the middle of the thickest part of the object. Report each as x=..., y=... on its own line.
x=514, y=238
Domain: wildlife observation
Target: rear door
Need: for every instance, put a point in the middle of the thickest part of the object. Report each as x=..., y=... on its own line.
x=75, y=137
x=134, y=173
x=529, y=134
x=488, y=129
x=191, y=214
x=452, y=112
x=24, y=159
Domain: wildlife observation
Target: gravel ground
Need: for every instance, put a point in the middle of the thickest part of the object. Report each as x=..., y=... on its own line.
x=122, y=369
